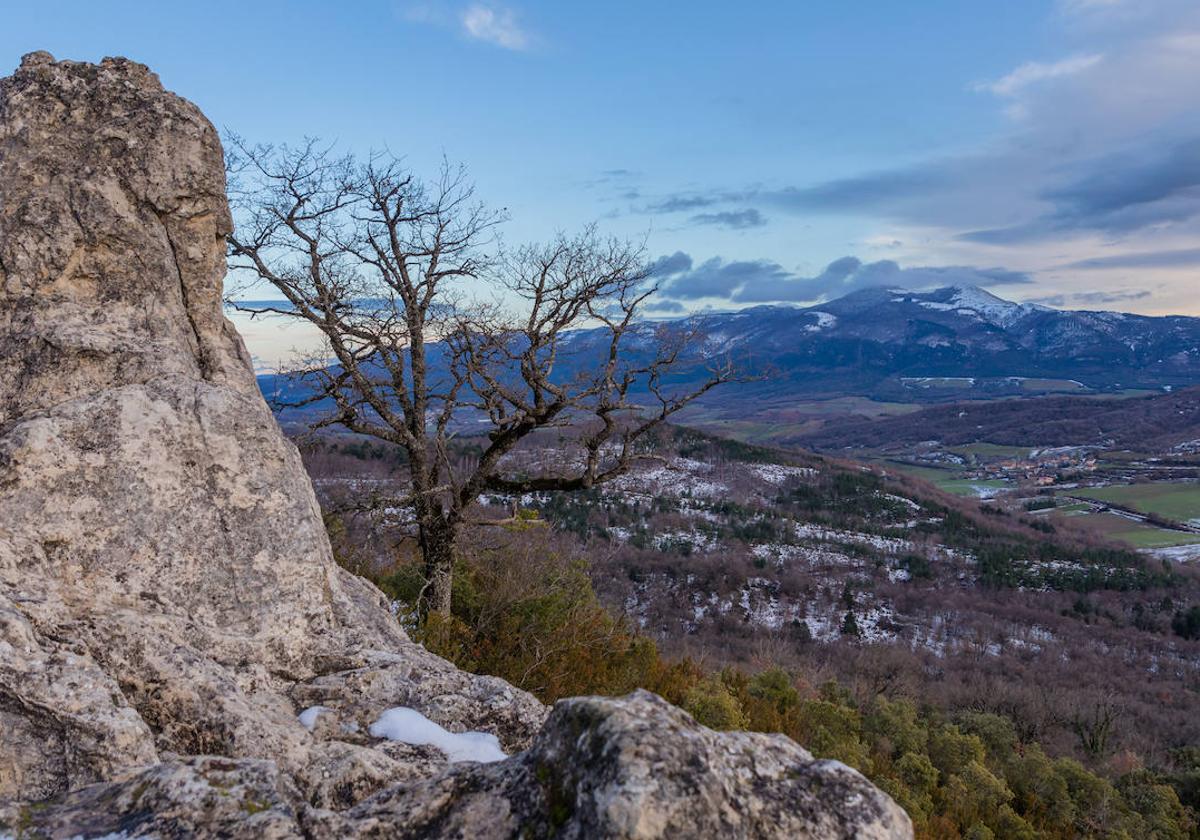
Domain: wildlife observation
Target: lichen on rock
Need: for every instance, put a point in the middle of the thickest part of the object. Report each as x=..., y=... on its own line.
x=168, y=599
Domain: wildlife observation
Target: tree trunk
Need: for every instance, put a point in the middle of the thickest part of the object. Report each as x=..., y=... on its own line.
x=438, y=548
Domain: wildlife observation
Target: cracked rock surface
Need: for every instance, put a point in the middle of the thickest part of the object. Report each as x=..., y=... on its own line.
x=168, y=599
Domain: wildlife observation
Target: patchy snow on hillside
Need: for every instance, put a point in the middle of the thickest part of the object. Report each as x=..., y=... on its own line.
x=780, y=473
x=825, y=321
x=694, y=540
x=679, y=477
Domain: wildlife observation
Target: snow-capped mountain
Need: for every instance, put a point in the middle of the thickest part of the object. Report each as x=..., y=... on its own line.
x=896, y=344
x=878, y=341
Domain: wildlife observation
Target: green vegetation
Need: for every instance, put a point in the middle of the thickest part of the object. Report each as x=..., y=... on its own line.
x=526, y=612
x=947, y=480
x=970, y=486
x=1187, y=623
x=956, y=382
x=991, y=450
x=1051, y=385
x=1121, y=529
x=1178, y=501
x=933, y=475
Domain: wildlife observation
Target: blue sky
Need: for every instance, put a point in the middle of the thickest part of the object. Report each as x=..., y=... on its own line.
x=770, y=151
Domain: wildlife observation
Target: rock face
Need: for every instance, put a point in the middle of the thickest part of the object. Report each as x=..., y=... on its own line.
x=168, y=599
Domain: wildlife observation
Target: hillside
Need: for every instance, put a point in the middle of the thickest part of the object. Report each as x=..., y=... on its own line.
x=1153, y=423
x=883, y=352
x=724, y=551
x=952, y=341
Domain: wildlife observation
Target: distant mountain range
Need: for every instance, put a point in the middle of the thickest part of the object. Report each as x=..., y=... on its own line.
x=952, y=343
x=894, y=343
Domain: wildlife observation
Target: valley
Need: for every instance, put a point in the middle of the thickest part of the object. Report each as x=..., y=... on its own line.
x=735, y=553
x=861, y=507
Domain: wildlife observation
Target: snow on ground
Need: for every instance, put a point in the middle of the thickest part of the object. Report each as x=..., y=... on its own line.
x=412, y=727
x=782, y=555
x=890, y=545
x=779, y=473
x=825, y=320
x=1177, y=553
x=618, y=534
x=904, y=500
x=683, y=476
x=698, y=541
x=308, y=718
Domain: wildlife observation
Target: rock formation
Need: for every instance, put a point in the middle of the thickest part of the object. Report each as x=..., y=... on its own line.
x=168, y=599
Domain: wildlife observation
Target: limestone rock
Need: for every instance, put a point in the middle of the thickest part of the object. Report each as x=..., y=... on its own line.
x=165, y=579
x=631, y=768
x=634, y=767
x=168, y=599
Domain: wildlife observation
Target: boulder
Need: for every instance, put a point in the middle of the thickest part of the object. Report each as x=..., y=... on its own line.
x=169, y=602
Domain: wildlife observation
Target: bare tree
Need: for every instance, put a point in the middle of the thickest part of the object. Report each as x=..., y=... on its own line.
x=425, y=319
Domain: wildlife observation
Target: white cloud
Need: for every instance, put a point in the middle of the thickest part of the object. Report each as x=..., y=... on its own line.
x=493, y=25
x=1037, y=71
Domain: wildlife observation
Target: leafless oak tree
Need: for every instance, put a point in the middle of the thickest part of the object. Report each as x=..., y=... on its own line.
x=425, y=318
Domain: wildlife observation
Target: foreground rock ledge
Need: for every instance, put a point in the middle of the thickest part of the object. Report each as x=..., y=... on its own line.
x=168, y=599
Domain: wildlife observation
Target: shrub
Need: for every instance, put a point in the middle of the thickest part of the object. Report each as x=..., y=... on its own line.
x=712, y=704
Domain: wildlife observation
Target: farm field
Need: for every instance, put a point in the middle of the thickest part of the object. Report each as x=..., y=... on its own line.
x=948, y=480
x=1052, y=385
x=982, y=488
x=1134, y=534
x=1179, y=501
x=991, y=450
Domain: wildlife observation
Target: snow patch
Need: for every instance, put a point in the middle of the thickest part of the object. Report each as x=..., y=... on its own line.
x=308, y=718
x=824, y=321
x=411, y=727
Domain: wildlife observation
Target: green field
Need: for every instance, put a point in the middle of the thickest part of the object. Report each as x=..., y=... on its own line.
x=778, y=420
x=934, y=475
x=1051, y=385
x=1134, y=534
x=991, y=450
x=1179, y=501
x=971, y=486
x=1073, y=508
x=950, y=481
x=937, y=381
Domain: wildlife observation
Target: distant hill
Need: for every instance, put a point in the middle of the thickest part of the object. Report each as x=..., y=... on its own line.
x=1156, y=423
x=904, y=346
x=897, y=344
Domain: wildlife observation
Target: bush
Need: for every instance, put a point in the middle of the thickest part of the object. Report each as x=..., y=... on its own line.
x=712, y=704
x=525, y=610
x=1187, y=624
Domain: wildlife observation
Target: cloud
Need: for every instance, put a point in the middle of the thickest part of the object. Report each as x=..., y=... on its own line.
x=493, y=25
x=671, y=306
x=734, y=219
x=1180, y=258
x=875, y=189
x=676, y=263
x=487, y=22
x=719, y=279
x=1114, y=184
x=681, y=203
x=765, y=281
x=1091, y=298
x=1035, y=71
x=1105, y=159
x=1117, y=193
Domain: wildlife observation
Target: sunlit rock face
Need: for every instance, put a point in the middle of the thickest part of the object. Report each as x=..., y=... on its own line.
x=168, y=599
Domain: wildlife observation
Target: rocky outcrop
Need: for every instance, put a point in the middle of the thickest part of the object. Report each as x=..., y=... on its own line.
x=168, y=599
